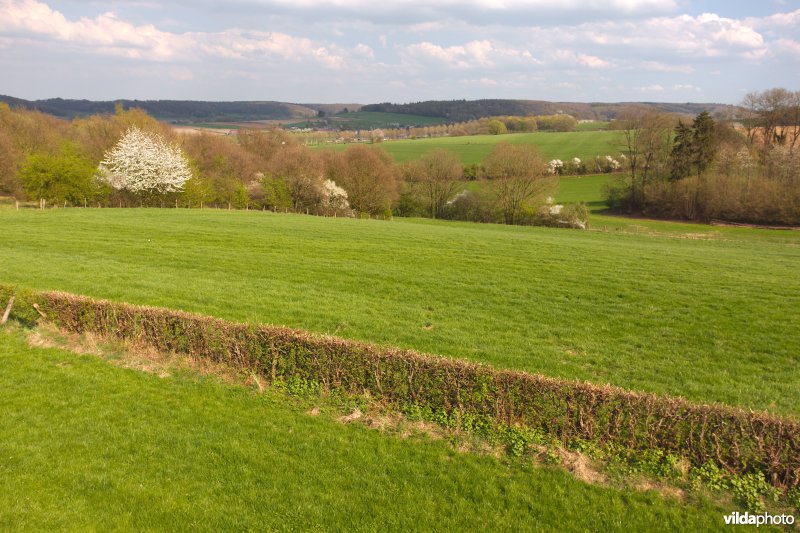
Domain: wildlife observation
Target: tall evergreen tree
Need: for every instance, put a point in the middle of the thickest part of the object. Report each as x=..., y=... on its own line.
x=694, y=147
x=680, y=159
x=704, y=141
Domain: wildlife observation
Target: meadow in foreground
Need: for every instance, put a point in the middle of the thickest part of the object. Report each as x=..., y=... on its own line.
x=707, y=313
x=86, y=444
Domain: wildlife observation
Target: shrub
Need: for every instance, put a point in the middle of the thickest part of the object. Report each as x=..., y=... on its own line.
x=574, y=216
x=472, y=206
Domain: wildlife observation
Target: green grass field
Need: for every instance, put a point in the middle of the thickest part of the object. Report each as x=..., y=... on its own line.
x=473, y=149
x=707, y=313
x=86, y=445
x=593, y=126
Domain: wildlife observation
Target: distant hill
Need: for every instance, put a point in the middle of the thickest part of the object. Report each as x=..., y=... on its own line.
x=189, y=111
x=463, y=110
x=182, y=110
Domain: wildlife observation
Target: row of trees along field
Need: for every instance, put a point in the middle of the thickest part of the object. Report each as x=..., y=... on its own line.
x=484, y=126
x=704, y=170
x=131, y=159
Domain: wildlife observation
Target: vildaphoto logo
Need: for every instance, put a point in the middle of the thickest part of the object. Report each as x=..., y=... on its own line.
x=746, y=519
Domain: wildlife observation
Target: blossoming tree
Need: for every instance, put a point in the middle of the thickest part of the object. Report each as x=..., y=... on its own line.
x=145, y=163
x=334, y=198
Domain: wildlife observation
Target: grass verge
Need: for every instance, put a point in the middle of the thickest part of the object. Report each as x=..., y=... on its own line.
x=87, y=445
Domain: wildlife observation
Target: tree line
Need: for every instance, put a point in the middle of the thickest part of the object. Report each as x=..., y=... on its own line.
x=172, y=110
x=485, y=126
x=746, y=171
x=130, y=159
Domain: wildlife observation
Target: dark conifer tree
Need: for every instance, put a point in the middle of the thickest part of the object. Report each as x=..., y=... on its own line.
x=680, y=159
x=704, y=141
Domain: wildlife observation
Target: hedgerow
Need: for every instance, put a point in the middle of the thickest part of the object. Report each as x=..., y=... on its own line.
x=737, y=441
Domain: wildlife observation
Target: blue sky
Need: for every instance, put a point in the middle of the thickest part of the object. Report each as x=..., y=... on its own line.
x=370, y=51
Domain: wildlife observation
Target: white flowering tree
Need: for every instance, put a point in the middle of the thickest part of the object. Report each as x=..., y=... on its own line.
x=555, y=166
x=334, y=198
x=145, y=163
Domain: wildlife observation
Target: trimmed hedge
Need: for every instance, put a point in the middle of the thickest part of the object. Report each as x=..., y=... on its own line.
x=739, y=441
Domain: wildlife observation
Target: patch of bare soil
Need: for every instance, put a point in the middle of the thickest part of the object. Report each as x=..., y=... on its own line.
x=727, y=224
x=581, y=467
x=134, y=356
x=352, y=417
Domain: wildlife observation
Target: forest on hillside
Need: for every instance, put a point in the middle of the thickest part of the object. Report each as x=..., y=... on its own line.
x=466, y=110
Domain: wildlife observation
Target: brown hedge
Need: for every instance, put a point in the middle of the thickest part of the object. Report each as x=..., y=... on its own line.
x=737, y=440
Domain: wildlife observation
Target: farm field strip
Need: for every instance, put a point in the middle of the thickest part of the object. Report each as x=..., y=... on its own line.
x=473, y=149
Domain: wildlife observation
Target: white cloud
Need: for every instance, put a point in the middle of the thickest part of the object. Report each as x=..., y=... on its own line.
x=365, y=51
x=658, y=66
x=592, y=61
x=706, y=35
x=787, y=47
x=456, y=7
x=655, y=88
x=107, y=34
x=685, y=87
x=777, y=21
x=473, y=54
x=571, y=58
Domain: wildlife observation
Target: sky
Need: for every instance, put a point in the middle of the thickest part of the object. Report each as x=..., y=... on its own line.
x=369, y=51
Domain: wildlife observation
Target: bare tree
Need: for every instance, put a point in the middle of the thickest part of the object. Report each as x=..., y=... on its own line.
x=750, y=105
x=518, y=171
x=265, y=144
x=647, y=138
x=437, y=173
x=302, y=171
x=368, y=174
x=792, y=121
x=773, y=117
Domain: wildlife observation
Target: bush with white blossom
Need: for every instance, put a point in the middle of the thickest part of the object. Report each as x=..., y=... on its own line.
x=144, y=162
x=334, y=198
x=607, y=164
x=574, y=167
x=555, y=166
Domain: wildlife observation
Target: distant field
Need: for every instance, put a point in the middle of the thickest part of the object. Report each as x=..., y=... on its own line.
x=588, y=189
x=216, y=126
x=593, y=126
x=473, y=149
x=364, y=120
x=85, y=445
x=707, y=313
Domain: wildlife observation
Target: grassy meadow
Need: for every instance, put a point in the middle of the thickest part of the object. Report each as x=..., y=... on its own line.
x=87, y=445
x=706, y=313
x=474, y=148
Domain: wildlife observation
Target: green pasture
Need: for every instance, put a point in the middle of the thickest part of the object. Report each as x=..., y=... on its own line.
x=684, y=309
x=89, y=446
x=593, y=126
x=474, y=149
